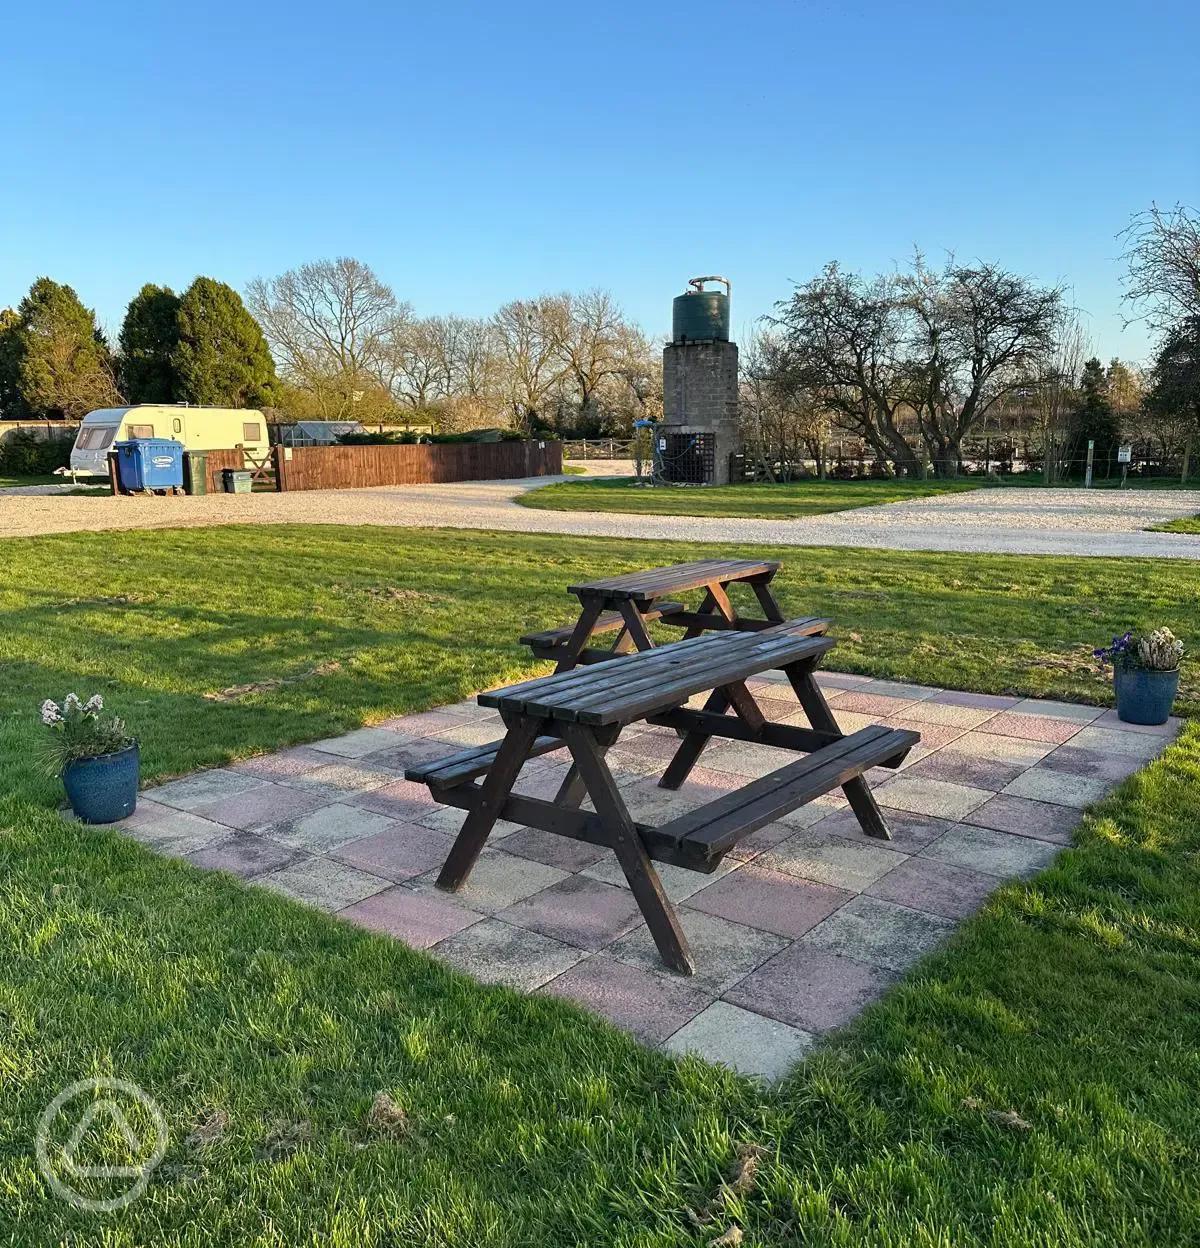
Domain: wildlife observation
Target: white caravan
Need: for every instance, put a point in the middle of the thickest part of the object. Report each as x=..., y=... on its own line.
x=198, y=428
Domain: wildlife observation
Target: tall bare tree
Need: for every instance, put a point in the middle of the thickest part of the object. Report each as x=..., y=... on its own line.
x=1162, y=252
x=527, y=331
x=333, y=326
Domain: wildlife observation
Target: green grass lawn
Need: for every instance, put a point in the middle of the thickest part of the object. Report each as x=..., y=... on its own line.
x=795, y=498
x=1185, y=524
x=1034, y=1083
x=7, y=482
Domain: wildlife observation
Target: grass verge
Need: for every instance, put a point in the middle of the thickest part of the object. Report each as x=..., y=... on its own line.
x=1184, y=524
x=794, y=498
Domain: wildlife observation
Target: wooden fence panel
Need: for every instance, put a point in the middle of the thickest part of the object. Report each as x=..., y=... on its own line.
x=358, y=467
x=222, y=459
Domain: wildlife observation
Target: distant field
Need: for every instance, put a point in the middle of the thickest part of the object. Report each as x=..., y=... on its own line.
x=796, y=498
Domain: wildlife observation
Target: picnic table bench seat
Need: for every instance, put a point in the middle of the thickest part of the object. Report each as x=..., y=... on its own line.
x=551, y=643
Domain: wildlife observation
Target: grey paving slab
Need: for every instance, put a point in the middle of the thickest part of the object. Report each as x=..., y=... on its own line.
x=1110, y=719
x=203, y=788
x=337, y=781
x=930, y=797
x=555, y=851
x=495, y=952
x=398, y=799
x=910, y=832
x=170, y=831
x=356, y=744
x=952, y=767
x=934, y=712
x=811, y=988
x=417, y=919
x=244, y=854
x=1002, y=749
x=1022, y=817
x=1119, y=740
x=475, y=732
x=996, y=853
x=880, y=932
x=743, y=1040
x=1073, y=712
x=496, y=881
x=323, y=883
x=449, y=819
x=724, y=952
x=1060, y=788
x=1034, y=727
x=981, y=701
x=405, y=752
x=1072, y=760
x=327, y=827
x=294, y=762
x=578, y=911
x=899, y=689
x=649, y=1005
x=827, y=858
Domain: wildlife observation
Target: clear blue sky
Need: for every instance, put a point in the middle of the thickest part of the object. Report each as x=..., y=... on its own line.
x=473, y=153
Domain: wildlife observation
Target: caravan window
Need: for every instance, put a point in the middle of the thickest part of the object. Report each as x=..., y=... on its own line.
x=141, y=431
x=251, y=431
x=95, y=437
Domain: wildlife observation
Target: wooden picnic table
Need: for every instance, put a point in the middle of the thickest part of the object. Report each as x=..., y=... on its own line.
x=627, y=603
x=584, y=710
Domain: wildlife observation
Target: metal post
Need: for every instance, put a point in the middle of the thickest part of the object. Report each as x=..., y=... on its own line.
x=1087, y=478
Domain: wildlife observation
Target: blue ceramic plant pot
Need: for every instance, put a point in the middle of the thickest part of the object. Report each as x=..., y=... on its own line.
x=104, y=789
x=1144, y=696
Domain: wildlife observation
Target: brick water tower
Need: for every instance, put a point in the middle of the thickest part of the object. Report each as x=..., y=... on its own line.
x=699, y=429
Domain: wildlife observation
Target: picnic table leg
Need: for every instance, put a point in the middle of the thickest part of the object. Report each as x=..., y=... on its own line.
x=592, y=610
x=858, y=792
x=719, y=701
x=481, y=818
x=766, y=599
x=631, y=853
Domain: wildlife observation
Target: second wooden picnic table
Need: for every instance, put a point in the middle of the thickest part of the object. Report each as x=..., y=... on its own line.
x=627, y=603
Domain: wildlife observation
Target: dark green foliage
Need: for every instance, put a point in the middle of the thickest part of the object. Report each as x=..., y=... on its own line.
x=63, y=365
x=22, y=454
x=12, y=402
x=222, y=358
x=149, y=340
x=1095, y=419
x=1175, y=385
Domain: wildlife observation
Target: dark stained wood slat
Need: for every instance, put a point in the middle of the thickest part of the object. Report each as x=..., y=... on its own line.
x=644, y=586
x=468, y=764
x=712, y=830
x=607, y=622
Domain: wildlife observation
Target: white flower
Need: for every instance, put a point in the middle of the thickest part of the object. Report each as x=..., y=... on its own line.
x=50, y=712
x=94, y=704
x=72, y=703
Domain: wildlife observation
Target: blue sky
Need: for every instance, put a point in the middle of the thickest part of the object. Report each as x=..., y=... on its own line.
x=475, y=153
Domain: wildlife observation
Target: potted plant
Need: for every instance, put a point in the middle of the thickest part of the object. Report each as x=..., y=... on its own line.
x=1145, y=674
x=97, y=759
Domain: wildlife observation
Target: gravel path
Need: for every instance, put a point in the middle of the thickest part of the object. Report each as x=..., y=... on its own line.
x=1010, y=521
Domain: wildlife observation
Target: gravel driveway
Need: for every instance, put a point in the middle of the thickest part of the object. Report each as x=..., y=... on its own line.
x=1011, y=521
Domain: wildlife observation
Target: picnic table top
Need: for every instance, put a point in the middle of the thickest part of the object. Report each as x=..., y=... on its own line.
x=674, y=579
x=632, y=686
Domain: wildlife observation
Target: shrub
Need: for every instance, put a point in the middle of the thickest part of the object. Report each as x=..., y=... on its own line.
x=22, y=454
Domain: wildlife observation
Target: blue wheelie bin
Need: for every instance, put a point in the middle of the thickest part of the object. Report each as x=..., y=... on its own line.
x=150, y=464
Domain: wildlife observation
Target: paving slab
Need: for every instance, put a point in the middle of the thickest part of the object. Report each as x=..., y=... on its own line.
x=294, y=762
x=880, y=932
x=356, y=744
x=1060, y=788
x=398, y=852
x=980, y=701
x=1110, y=719
x=555, y=851
x=678, y=882
x=496, y=881
x=1122, y=740
x=495, y=952
x=996, y=853
x=910, y=832
x=323, y=883
x=958, y=768
x=327, y=827
x=337, y=781
x=649, y=1005
x=1002, y=749
x=930, y=797
x=415, y=918
x=170, y=831
x=578, y=911
x=203, y=788
x=743, y=1040
x=1073, y=760
x=1023, y=817
x=827, y=858
x=935, y=887
x=724, y=952
x=811, y=988
x=258, y=808
x=1034, y=727
x=769, y=900
x=934, y=712
x=244, y=854
x=1073, y=712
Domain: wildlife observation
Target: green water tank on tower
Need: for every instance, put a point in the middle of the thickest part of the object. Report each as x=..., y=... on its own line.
x=701, y=315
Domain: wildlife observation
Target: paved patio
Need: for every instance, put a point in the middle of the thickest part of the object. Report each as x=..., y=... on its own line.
x=793, y=935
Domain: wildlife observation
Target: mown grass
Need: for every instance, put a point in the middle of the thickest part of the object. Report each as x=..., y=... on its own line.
x=1184, y=524
x=794, y=498
x=1034, y=1083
